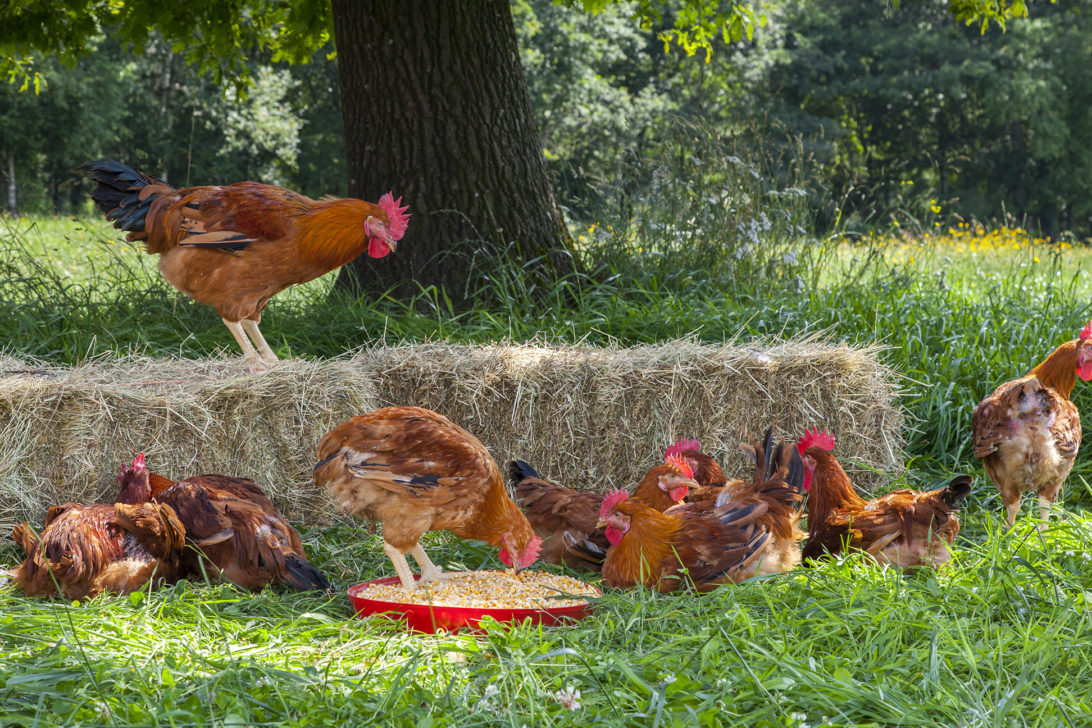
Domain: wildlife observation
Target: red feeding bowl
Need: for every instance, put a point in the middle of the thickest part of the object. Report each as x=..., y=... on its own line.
x=430, y=618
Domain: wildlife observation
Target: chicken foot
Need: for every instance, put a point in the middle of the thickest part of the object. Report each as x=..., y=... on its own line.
x=429, y=570
x=259, y=358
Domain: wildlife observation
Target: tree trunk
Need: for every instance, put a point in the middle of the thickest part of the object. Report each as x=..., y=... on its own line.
x=436, y=108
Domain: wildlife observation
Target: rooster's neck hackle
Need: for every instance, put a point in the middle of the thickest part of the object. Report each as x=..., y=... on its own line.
x=332, y=233
x=830, y=490
x=1059, y=370
x=650, y=539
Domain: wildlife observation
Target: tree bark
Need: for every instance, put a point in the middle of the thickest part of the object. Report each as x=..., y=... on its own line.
x=436, y=108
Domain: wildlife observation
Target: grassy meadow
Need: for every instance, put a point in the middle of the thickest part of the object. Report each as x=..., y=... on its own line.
x=1000, y=638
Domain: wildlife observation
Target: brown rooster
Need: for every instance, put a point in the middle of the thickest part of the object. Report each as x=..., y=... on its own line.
x=725, y=536
x=235, y=247
x=904, y=528
x=86, y=550
x=560, y=515
x=235, y=532
x=415, y=471
x=1028, y=431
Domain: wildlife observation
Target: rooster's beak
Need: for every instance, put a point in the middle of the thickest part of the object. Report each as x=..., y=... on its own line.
x=392, y=244
x=601, y=523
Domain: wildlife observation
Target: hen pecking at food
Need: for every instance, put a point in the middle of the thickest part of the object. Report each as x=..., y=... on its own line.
x=84, y=551
x=234, y=247
x=904, y=528
x=235, y=532
x=1028, y=431
x=414, y=471
x=724, y=536
x=562, y=516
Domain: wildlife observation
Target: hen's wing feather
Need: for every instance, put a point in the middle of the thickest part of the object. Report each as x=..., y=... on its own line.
x=989, y=423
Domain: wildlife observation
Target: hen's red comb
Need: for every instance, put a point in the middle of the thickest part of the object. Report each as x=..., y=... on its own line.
x=397, y=219
x=814, y=438
x=682, y=446
x=1086, y=332
x=681, y=465
x=613, y=498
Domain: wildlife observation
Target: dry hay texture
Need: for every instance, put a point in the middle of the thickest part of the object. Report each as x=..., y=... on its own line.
x=588, y=417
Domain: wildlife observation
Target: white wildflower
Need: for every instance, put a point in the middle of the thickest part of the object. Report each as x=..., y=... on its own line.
x=490, y=691
x=799, y=719
x=1086, y=556
x=789, y=257
x=568, y=697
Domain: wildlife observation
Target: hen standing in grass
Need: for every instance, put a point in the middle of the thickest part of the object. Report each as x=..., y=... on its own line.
x=725, y=536
x=234, y=247
x=561, y=516
x=86, y=550
x=415, y=471
x=1028, y=431
x=904, y=528
x=235, y=532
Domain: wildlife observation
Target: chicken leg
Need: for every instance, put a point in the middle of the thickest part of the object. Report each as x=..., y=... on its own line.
x=251, y=328
x=401, y=566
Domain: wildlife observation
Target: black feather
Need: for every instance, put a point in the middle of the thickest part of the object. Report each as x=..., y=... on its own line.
x=957, y=490
x=519, y=470
x=118, y=193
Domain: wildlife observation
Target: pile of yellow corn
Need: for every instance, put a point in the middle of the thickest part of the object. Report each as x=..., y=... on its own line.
x=489, y=590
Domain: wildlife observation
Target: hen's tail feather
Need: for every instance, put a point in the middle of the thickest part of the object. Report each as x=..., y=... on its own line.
x=519, y=470
x=302, y=576
x=582, y=554
x=957, y=490
x=118, y=193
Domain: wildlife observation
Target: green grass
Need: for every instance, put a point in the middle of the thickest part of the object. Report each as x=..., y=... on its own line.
x=1000, y=638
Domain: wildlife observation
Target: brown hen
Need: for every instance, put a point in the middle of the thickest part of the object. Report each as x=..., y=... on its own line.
x=905, y=528
x=1028, y=431
x=236, y=533
x=415, y=471
x=84, y=551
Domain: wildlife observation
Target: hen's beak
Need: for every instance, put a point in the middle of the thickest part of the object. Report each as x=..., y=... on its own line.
x=601, y=523
x=392, y=244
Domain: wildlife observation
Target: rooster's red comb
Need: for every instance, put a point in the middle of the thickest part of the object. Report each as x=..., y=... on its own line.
x=1086, y=332
x=681, y=446
x=613, y=498
x=814, y=438
x=681, y=465
x=397, y=219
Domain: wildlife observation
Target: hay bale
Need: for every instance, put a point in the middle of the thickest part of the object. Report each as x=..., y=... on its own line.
x=589, y=417
x=64, y=432
x=594, y=418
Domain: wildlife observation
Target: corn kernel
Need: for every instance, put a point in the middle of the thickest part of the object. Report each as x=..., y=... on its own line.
x=490, y=590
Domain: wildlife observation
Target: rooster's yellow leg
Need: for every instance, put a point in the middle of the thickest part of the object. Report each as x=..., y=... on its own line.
x=236, y=330
x=251, y=328
x=401, y=566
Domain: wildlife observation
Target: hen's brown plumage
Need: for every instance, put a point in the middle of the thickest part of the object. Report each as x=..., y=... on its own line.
x=724, y=535
x=92, y=549
x=234, y=247
x=904, y=528
x=415, y=471
x=237, y=533
x=554, y=511
x=1028, y=431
